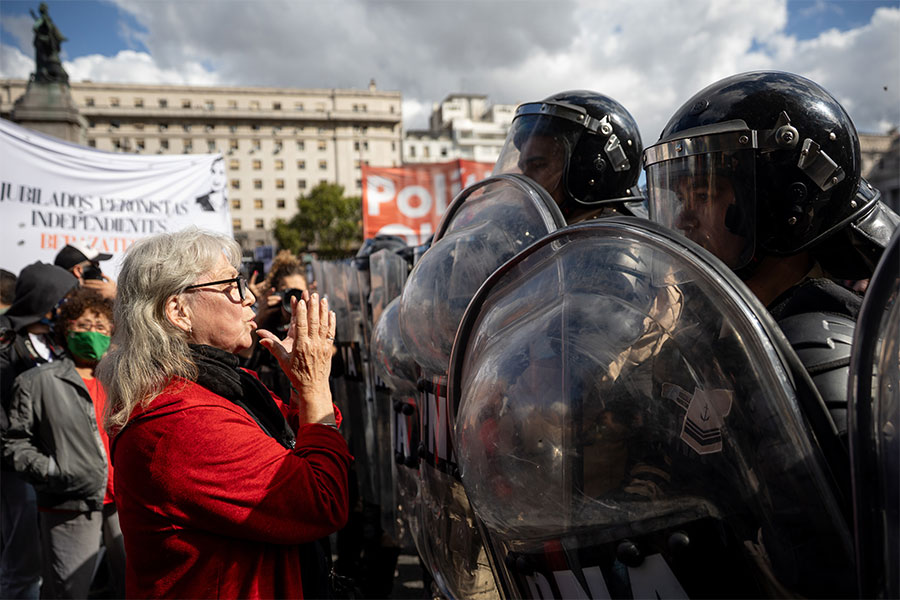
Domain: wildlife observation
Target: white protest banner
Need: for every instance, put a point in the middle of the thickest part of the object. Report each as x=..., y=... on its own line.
x=53, y=192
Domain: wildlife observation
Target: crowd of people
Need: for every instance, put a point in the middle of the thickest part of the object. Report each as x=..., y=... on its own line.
x=182, y=417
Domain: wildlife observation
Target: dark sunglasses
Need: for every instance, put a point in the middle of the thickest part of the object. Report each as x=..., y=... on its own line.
x=239, y=281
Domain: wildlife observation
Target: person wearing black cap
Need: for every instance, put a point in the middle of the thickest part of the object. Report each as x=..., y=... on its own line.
x=83, y=262
x=25, y=343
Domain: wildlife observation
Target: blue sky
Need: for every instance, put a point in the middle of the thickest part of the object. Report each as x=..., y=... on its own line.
x=648, y=54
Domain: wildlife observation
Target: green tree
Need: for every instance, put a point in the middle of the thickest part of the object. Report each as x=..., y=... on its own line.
x=327, y=222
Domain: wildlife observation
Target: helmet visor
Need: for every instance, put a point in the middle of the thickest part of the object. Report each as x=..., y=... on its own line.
x=710, y=198
x=539, y=145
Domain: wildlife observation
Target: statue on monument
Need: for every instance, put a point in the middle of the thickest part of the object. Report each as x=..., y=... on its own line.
x=47, y=43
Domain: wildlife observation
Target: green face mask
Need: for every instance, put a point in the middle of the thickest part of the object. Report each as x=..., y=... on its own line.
x=87, y=345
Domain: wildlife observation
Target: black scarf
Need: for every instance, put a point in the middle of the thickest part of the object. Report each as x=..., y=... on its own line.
x=219, y=373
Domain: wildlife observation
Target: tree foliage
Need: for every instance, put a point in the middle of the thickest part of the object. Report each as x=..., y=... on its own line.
x=327, y=223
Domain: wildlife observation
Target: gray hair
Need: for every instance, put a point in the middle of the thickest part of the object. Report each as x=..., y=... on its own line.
x=147, y=351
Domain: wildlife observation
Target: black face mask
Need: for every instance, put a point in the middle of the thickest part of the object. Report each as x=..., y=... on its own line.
x=91, y=271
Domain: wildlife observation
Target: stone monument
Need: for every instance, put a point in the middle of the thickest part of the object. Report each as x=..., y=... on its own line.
x=47, y=105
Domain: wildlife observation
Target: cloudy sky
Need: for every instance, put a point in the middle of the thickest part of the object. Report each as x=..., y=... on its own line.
x=651, y=55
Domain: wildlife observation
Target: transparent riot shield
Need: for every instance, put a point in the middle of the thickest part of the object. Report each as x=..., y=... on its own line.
x=630, y=423
x=386, y=272
x=484, y=226
x=874, y=428
x=395, y=367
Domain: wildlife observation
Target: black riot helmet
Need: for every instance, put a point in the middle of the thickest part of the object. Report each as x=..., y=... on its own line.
x=584, y=148
x=764, y=163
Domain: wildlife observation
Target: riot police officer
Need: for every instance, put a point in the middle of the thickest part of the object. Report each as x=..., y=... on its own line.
x=582, y=147
x=763, y=170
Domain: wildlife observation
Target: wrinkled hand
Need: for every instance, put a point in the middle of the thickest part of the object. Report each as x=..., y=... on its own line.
x=305, y=356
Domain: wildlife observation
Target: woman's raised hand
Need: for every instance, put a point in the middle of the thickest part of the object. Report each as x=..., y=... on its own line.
x=305, y=356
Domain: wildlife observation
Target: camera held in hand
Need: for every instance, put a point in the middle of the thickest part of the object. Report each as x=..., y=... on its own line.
x=286, y=296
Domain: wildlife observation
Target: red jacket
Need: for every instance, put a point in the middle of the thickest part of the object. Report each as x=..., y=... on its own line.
x=212, y=507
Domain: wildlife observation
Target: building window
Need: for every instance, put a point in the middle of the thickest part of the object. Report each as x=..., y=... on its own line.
x=186, y=127
x=444, y=151
x=254, y=105
x=257, y=145
x=210, y=105
x=322, y=130
x=323, y=165
x=232, y=104
x=185, y=104
x=209, y=127
x=279, y=184
x=359, y=184
x=232, y=144
x=257, y=184
x=426, y=152
x=92, y=143
x=323, y=181
x=236, y=223
x=235, y=184
x=323, y=145
x=257, y=203
x=163, y=126
x=163, y=103
x=139, y=144
x=139, y=103
x=236, y=203
x=412, y=151
x=88, y=101
x=279, y=164
x=276, y=106
x=301, y=184
x=211, y=145
x=234, y=164
x=394, y=146
x=356, y=146
x=301, y=164
x=257, y=164
x=301, y=145
x=258, y=223
x=254, y=127
x=320, y=107
x=114, y=102
x=138, y=126
x=277, y=147
x=365, y=145
x=279, y=203
x=232, y=128
x=298, y=106
x=116, y=143
x=188, y=146
x=164, y=144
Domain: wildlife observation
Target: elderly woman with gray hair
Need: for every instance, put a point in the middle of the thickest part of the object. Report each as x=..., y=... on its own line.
x=220, y=485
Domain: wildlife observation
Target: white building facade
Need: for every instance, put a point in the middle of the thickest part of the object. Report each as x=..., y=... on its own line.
x=278, y=143
x=462, y=126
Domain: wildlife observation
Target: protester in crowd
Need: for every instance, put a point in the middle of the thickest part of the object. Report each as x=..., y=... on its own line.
x=7, y=289
x=25, y=342
x=220, y=485
x=83, y=262
x=56, y=441
x=286, y=278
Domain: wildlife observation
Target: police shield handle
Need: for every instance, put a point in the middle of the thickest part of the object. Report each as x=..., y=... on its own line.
x=305, y=357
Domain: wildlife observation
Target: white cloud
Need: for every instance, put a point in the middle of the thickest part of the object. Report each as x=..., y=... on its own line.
x=14, y=64
x=650, y=55
x=129, y=66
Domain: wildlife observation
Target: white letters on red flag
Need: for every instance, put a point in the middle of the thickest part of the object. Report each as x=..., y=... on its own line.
x=409, y=201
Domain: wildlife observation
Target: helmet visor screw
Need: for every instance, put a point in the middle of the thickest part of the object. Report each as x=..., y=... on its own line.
x=792, y=221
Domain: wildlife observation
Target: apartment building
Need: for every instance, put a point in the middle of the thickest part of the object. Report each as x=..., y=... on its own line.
x=462, y=126
x=278, y=143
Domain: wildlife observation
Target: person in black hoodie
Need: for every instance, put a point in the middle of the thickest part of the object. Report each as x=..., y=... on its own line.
x=25, y=343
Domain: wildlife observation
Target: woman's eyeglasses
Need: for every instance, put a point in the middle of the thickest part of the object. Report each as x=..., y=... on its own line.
x=239, y=281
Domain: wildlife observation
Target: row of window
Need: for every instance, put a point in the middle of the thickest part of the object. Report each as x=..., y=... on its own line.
x=258, y=202
x=209, y=127
x=114, y=101
x=426, y=151
x=211, y=146
x=257, y=224
x=279, y=183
